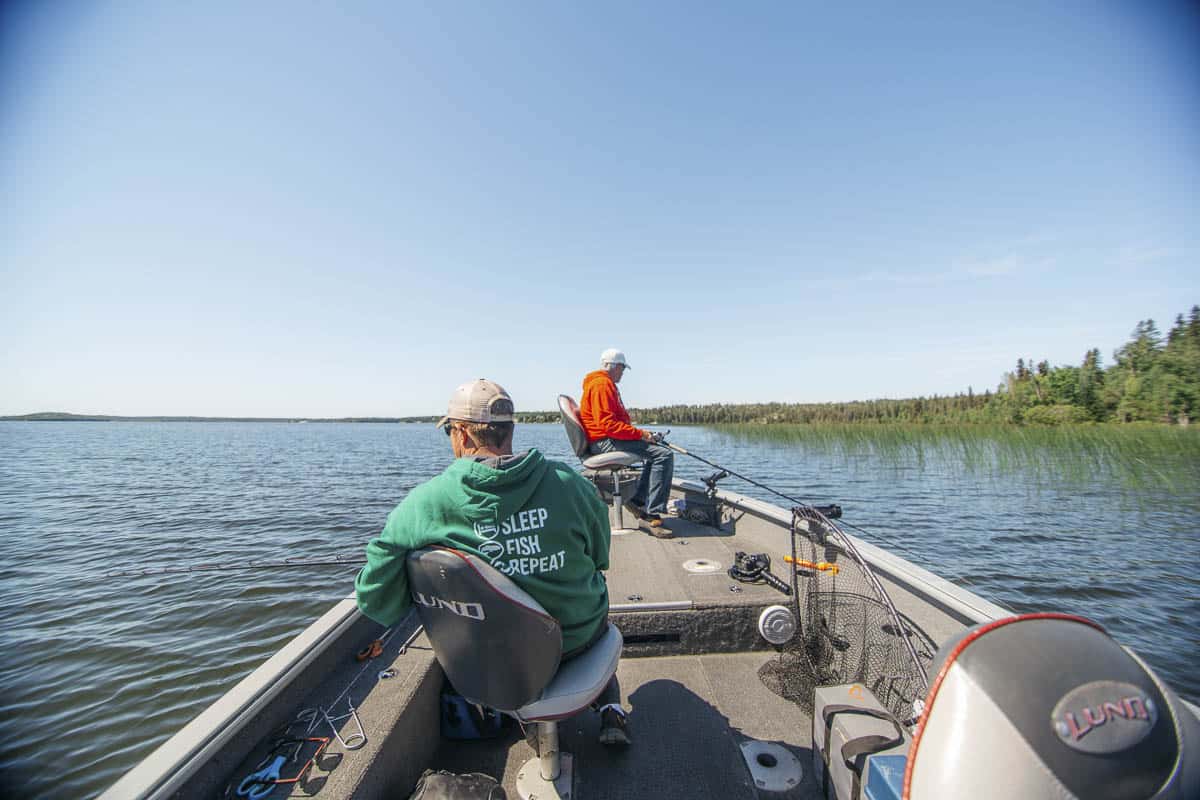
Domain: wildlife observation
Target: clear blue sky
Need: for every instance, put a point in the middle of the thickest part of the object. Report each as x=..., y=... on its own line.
x=347, y=209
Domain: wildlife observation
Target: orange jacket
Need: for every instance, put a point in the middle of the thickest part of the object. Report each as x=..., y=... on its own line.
x=601, y=410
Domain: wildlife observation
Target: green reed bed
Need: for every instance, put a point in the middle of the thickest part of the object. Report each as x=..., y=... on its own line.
x=1138, y=456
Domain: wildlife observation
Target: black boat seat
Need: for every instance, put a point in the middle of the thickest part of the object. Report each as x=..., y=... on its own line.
x=612, y=462
x=500, y=648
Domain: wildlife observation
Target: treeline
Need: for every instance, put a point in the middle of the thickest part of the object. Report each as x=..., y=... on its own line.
x=1153, y=379
x=959, y=407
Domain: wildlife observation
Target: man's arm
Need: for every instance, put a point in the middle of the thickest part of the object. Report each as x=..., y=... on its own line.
x=382, y=585
x=607, y=403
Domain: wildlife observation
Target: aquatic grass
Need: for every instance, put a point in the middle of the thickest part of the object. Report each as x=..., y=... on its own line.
x=1155, y=458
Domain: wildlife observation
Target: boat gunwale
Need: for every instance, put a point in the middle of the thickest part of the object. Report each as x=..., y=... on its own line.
x=163, y=771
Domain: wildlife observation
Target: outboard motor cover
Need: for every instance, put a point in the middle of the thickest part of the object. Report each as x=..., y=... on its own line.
x=1049, y=706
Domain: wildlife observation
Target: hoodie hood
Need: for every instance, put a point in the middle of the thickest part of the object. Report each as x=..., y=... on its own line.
x=491, y=492
x=600, y=375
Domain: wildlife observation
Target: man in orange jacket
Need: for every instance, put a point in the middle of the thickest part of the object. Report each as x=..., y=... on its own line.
x=608, y=428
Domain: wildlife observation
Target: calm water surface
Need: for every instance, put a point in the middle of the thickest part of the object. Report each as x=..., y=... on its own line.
x=96, y=671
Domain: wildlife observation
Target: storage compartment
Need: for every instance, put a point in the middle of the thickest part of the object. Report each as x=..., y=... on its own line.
x=851, y=729
x=697, y=507
x=885, y=777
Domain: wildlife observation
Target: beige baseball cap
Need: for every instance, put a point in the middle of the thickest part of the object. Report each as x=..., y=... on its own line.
x=479, y=400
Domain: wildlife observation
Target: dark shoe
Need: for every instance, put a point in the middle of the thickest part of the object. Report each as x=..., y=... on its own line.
x=612, y=728
x=641, y=513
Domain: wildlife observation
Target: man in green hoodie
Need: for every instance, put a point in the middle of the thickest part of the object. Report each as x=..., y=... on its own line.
x=537, y=521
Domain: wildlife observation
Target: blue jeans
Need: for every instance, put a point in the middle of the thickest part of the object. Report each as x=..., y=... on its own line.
x=654, y=487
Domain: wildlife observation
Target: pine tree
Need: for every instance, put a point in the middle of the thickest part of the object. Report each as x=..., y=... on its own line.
x=1091, y=385
x=1139, y=352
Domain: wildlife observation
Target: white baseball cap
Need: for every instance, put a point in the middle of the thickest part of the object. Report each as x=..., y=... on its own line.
x=479, y=400
x=613, y=356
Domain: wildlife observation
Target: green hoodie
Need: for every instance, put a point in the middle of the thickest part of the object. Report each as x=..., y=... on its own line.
x=537, y=521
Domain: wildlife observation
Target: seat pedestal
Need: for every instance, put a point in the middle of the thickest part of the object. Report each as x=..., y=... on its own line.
x=618, y=506
x=549, y=775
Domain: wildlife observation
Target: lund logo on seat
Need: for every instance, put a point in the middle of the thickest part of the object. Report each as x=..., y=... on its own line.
x=1104, y=717
x=469, y=610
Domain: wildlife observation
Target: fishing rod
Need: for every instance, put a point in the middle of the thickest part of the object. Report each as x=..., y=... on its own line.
x=287, y=563
x=831, y=511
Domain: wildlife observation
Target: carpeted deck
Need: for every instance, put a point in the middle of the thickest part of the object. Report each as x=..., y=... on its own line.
x=688, y=716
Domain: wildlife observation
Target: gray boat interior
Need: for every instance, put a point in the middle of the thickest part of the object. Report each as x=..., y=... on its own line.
x=689, y=675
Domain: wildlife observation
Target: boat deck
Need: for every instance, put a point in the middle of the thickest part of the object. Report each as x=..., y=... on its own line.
x=688, y=715
x=689, y=677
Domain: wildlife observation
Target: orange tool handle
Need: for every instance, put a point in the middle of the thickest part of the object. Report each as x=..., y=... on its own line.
x=824, y=566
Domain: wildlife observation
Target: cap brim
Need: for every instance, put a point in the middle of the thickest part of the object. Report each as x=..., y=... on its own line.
x=443, y=422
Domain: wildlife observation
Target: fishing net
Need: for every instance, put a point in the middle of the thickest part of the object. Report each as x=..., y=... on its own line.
x=851, y=632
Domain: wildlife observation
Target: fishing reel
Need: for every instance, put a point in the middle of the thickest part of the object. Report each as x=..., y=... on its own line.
x=706, y=509
x=756, y=568
x=831, y=511
x=711, y=483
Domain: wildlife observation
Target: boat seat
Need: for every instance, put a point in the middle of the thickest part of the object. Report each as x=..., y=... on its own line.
x=500, y=648
x=612, y=462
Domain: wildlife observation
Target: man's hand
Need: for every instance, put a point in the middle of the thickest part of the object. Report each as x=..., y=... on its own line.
x=648, y=436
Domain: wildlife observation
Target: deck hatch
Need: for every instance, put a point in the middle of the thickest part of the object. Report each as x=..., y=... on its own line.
x=772, y=767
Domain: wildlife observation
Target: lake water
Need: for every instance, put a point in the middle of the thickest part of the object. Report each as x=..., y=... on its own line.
x=98, y=670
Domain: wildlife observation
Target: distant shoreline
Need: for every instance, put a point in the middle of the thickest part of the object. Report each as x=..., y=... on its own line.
x=54, y=416
x=62, y=416
x=652, y=417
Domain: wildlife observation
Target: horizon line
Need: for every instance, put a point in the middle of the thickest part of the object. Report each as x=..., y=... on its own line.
x=70, y=415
